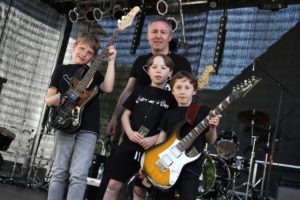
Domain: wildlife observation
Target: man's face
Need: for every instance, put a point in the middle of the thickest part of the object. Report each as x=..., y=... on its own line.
x=159, y=36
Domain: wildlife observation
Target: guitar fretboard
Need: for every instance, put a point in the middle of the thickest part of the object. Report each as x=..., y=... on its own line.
x=82, y=85
x=188, y=140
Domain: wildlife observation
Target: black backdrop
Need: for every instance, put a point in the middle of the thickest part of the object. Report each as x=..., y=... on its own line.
x=277, y=95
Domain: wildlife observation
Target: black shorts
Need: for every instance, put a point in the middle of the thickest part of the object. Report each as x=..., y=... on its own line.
x=124, y=163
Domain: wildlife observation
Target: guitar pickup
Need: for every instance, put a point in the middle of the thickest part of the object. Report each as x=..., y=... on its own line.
x=73, y=96
x=164, y=163
x=167, y=160
x=161, y=165
x=175, y=151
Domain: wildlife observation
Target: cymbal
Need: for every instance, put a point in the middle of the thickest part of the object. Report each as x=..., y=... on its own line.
x=258, y=117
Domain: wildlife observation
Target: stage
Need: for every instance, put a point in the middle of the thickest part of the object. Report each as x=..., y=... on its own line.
x=15, y=192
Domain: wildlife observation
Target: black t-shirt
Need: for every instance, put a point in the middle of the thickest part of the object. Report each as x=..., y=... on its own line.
x=177, y=115
x=147, y=106
x=139, y=68
x=61, y=79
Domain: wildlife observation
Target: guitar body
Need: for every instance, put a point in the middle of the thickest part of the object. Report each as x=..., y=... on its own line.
x=68, y=116
x=164, y=162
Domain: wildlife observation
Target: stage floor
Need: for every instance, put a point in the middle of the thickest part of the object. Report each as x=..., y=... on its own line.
x=14, y=192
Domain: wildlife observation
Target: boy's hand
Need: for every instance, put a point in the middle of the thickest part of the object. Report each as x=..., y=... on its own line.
x=135, y=136
x=148, y=142
x=111, y=53
x=214, y=121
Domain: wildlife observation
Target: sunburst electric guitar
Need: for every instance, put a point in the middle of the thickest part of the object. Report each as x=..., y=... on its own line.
x=163, y=163
x=68, y=115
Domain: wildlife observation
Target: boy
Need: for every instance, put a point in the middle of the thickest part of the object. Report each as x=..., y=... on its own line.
x=74, y=151
x=140, y=119
x=184, y=86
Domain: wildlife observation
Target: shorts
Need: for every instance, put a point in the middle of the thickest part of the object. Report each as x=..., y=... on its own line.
x=124, y=163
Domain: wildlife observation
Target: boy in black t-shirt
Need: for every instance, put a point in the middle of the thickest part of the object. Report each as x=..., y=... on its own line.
x=140, y=119
x=74, y=149
x=184, y=86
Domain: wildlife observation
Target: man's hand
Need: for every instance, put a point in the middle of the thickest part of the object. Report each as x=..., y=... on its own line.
x=112, y=126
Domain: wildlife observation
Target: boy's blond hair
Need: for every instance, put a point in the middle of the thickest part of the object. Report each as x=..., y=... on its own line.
x=90, y=39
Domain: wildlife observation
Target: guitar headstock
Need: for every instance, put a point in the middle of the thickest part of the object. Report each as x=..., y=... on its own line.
x=242, y=89
x=203, y=80
x=126, y=21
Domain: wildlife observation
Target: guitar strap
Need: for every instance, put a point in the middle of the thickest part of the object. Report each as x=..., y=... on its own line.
x=193, y=109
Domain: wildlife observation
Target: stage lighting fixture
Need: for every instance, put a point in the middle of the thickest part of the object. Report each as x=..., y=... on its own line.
x=76, y=14
x=213, y=4
x=118, y=11
x=174, y=23
x=163, y=6
x=94, y=14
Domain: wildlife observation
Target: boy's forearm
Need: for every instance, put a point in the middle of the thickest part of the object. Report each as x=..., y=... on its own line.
x=109, y=79
x=211, y=135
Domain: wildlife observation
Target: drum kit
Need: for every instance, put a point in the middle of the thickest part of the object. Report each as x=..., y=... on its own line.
x=220, y=171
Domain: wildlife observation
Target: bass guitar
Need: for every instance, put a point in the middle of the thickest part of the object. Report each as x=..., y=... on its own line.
x=68, y=116
x=163, y=163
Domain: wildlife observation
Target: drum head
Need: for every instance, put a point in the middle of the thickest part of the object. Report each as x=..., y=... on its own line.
x=215, y=178
x=208, y=175
x=227, y=145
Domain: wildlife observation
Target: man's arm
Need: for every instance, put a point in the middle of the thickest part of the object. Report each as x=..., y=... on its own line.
x=111, y=128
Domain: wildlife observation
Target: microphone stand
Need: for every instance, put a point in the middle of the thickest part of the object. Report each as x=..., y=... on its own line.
x=267, y=151
x=282, y=89
x=273, y=143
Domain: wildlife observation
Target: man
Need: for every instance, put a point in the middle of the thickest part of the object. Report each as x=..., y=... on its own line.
x=159, y=35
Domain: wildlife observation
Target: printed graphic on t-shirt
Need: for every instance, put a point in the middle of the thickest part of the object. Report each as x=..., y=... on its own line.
x=161, y=103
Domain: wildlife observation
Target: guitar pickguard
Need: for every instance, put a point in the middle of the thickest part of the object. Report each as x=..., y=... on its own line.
x=163, y=163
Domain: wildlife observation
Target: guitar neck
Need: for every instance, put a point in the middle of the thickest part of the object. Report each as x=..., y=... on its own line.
x=188, y=140
x=95, y=63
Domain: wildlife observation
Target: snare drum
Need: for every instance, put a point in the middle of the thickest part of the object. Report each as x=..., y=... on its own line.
x=6, y=137
x=227, y=144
